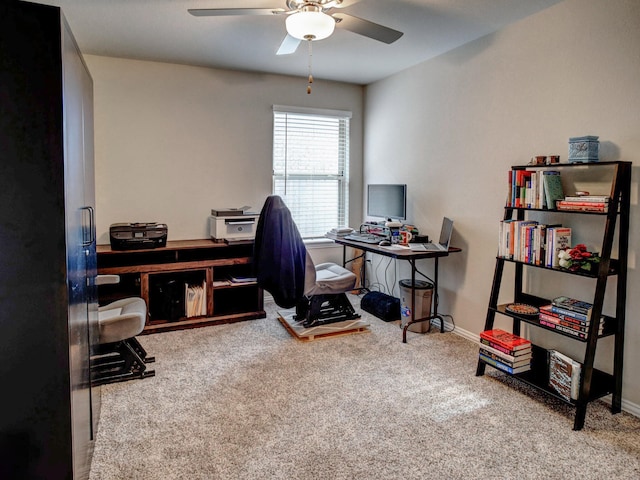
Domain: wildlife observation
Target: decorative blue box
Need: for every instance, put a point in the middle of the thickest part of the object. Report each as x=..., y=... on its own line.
x=583, y=149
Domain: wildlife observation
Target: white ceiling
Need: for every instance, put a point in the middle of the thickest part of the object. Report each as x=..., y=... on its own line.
x=163, y=30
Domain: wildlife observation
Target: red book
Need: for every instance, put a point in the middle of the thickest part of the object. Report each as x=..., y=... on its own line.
x=583, y=207
x=553, y=319
x=547, y=310
x=582, y=204
x=506, y=339
x=560, y=328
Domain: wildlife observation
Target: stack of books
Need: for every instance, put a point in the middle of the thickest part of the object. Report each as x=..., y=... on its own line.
x=235, y=279
x=569, y=316
x=339, y=232
x=505, y=351
x=516, y=239
x=584, y=203
x=564, y=375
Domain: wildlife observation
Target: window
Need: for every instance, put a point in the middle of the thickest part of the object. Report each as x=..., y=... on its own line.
x=311, y=165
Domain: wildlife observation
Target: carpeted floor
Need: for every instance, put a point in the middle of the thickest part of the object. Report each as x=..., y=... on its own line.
x=247, y=401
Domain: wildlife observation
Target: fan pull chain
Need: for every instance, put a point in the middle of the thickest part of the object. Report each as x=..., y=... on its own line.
x=310, y=62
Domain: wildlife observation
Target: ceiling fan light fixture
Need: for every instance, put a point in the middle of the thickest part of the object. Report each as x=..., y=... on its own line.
x=310, y=25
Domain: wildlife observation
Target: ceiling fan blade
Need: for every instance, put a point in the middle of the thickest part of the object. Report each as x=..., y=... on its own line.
x=366, y=28
x=223, y=12
x=342, y=4
x=288, y=46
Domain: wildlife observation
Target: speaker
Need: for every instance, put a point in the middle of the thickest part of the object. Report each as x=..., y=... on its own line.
x=381, y=305
x=420, y=239
x=166, y=300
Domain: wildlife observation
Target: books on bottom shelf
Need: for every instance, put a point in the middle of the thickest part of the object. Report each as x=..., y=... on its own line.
x=195, y=299
x=505, y=351
x=564, y=375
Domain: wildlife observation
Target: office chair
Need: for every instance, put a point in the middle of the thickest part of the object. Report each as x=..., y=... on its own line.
x=285, y=269
x=119, y=356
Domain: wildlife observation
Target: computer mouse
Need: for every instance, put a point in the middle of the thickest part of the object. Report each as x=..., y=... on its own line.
x=384, y=243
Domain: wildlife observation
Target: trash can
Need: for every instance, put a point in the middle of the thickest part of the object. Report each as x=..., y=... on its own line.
x=423, y=292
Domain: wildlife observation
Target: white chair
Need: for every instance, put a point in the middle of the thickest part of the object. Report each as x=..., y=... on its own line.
x=119, y=355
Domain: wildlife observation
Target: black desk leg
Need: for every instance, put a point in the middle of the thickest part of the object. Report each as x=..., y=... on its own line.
x=413, y=300
x=434, y=296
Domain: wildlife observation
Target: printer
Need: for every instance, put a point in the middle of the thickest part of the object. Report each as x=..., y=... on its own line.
x=134, y=236
x=233, y=225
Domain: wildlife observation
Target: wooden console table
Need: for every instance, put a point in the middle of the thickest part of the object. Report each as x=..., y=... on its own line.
x=159, y=276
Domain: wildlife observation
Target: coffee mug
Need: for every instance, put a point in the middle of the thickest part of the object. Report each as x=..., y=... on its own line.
x=406, y=236
x=395, y=235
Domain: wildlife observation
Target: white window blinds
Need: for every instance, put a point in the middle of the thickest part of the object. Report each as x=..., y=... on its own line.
x=311, y=165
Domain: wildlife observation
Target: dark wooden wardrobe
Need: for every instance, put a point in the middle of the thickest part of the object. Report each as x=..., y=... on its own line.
x=48, y=302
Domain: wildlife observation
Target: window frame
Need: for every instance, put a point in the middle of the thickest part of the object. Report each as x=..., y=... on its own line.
x=341, y=175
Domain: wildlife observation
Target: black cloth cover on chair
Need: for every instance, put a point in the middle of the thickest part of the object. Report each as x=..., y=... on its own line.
x=285, y=269
x=279, y=254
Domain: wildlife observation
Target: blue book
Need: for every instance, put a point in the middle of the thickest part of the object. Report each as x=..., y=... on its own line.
x=505, y=368
x=572, y=304
x=570, y=313
x=564, y=313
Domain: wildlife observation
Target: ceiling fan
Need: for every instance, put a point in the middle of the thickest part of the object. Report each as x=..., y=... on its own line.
x=310, y=20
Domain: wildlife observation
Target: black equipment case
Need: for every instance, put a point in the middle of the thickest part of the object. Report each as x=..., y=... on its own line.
x=134, y=236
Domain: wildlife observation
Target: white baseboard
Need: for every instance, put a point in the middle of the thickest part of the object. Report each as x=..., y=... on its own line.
x=630, y=407
x=627, y=406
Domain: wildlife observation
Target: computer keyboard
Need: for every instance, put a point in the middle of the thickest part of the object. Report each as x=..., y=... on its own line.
x=364, y=237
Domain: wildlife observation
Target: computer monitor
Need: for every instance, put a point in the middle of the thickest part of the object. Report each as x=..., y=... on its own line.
x=388, y=201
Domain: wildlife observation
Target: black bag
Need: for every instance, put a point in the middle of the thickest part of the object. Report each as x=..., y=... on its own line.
x=381, y=305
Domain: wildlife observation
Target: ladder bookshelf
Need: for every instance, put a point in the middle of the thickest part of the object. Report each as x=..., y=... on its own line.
x=594, y=383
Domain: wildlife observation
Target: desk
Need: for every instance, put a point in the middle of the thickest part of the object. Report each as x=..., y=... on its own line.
x=411, y=257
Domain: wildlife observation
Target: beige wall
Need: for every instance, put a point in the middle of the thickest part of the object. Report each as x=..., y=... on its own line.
x=173, y=141
x=452, y=127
